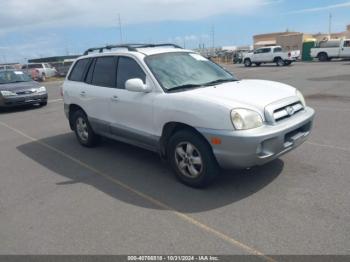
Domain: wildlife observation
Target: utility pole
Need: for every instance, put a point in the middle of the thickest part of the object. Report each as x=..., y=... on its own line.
x=330, y=25
x=120, y=29
x=213, y=38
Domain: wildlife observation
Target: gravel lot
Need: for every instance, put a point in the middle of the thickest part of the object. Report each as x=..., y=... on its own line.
x=59, y=198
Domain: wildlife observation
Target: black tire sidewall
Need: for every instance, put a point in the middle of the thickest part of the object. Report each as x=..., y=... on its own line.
x=210, y=166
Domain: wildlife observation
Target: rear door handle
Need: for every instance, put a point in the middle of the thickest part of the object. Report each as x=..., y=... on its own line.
x=115, y=98
x=83, y=93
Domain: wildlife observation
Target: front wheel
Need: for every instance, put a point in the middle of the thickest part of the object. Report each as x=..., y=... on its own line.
x=247, y=63
x=192, y=159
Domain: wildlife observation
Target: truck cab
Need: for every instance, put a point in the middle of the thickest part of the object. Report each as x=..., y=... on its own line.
x=327, y=50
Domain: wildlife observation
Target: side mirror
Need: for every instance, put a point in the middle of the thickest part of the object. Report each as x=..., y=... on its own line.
x=136, y=85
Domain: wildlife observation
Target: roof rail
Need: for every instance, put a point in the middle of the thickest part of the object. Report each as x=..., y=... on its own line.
x=130, y=47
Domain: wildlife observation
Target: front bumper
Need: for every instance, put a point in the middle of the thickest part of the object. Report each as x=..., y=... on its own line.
x=20, y=100
x=244, y=149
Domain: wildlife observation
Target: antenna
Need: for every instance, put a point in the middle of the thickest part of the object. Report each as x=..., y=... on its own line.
x=120, y=29
x=330, y=25
x=213, y=37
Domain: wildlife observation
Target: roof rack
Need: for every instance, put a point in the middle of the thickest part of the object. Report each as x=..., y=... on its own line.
x=130, y=47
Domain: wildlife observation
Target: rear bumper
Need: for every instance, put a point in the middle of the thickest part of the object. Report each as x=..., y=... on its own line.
x=21, y=100
x=244, y=149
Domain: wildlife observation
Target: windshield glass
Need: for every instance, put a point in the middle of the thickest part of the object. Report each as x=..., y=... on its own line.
x=7, y=77
x=188, y=70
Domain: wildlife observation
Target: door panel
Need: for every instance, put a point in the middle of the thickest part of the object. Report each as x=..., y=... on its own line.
x=345, y=51
x=132, y=112
x=100, y=83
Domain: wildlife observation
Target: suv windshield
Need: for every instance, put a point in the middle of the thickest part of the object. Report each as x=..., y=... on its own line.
x=176, y=71
x=7, y=77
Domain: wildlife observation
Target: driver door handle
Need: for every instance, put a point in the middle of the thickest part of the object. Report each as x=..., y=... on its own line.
x=83, y=93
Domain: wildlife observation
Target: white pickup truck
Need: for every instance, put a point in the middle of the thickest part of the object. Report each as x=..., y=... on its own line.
x=39, y=71
x=271, y=54
x=326, y=50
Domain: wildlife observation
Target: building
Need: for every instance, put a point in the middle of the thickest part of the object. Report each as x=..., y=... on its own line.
x=269, y=39
x=53, y=59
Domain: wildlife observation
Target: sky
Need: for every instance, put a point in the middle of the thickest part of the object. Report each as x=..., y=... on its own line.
x=37, y=28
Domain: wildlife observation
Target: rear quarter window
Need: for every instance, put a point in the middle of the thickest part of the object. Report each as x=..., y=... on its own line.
x=78, y=70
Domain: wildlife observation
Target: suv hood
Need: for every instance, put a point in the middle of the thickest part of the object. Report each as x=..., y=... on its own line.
x=254, y=94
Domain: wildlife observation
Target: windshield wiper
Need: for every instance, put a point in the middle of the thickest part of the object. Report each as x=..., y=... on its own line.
x=184, y=87
x=220, y=81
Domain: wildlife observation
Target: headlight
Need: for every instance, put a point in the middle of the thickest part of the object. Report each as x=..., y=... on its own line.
x=7, y=93
x=301, y=97
x=243, y=119
x=41, y=89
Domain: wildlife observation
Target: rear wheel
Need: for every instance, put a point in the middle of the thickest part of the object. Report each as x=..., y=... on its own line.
x=323, y=57
x=83, y=130
x=43, y=103
x=258, y=64
x=192, y=159
x=43, y=77
x=247, y=63
x=279, y=61
x=287, y=63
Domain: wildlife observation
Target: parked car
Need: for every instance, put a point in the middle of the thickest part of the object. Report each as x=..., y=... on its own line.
x=7, y=67
x=17, y=89
x=191, y=111
x=327, y=50
x=39, y=71
x=62, y=68
x=271, y=54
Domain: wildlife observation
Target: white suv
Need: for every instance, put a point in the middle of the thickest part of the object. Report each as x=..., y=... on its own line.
x=188, y=109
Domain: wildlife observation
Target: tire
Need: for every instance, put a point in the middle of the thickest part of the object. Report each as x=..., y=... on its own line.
x=279, y=61
x=43, y=104
x=323, y=57
x=258, y=64
x=247, y=63
x=287, y=63
x=83, y=130
x=192, y=159
x=43, y=77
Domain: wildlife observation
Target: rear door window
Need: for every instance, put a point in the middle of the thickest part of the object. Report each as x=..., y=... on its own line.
x=78, y=71
x=128, y=68
x=105, y=72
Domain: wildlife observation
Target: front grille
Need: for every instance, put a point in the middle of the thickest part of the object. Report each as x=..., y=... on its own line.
x=25, y=92
x=287, y=111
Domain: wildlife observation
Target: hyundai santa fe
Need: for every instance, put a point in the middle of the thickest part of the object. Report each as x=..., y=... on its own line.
x=191, y=111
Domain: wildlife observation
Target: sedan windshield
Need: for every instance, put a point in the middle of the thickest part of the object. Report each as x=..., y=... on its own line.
x=7, y=77
x=175, y=71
